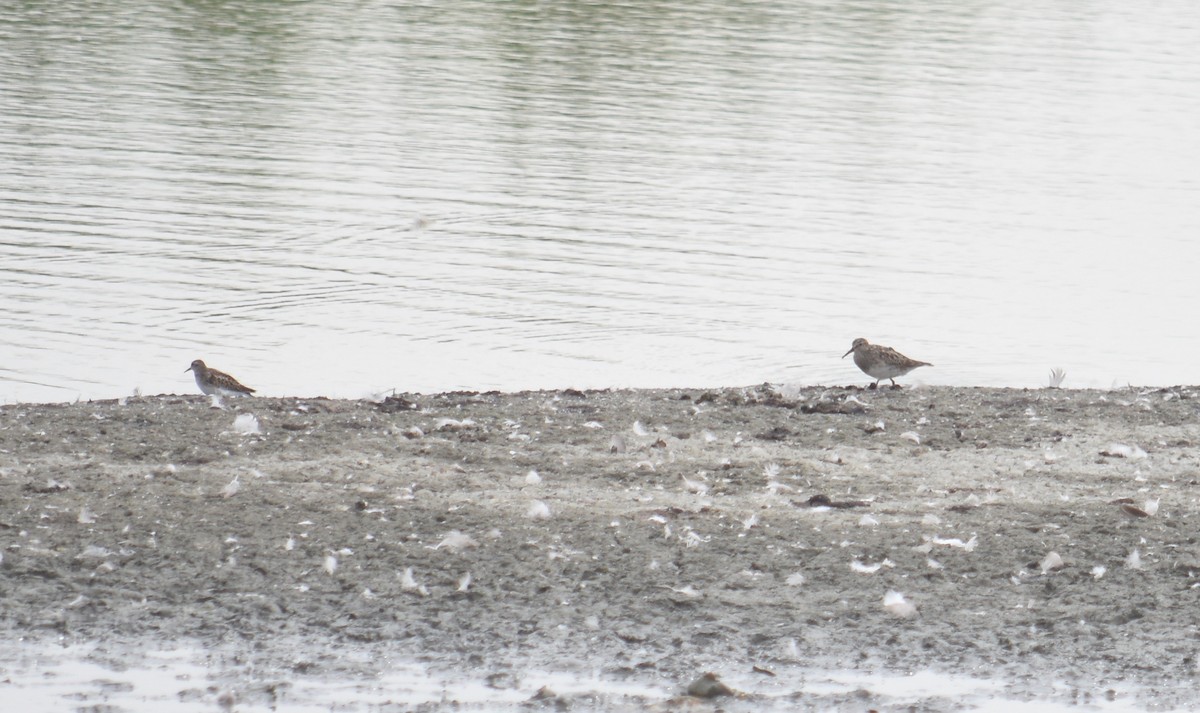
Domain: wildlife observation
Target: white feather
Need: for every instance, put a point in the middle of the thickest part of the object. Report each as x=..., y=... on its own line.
x=1051, y=561
x=538, y=510
x=695, y=486
x=456, y=541
x=969, y=545
x=896, y=605
x=409, y=584
x=246, y=424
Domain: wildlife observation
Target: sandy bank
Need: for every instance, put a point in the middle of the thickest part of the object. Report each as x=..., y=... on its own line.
x=644, y=535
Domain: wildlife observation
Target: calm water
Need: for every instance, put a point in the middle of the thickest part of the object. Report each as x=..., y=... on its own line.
x=342, y=197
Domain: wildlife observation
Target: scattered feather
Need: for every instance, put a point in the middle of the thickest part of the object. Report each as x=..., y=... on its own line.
x=876, y=427
x=932, y=563
x=593, y=424
x=912, y=436
x=775, y=488
x=456, y=541
x=1056, y=378
x=453, y=424
x=694, y=539
x=1151, y=507
x=538, y=510
x=1098, y=571
x=246, y=424
x=464, y=582
x=94, y=552
x=639, y=429
x=969, y=545
x=695, y=486
x=231, y=488
x=795, y=580
x=709, y=437
x=409, y=584
x=750, y=522
x=330, y=564
x=532, y=478
x=688, y=592
x=792, y=650
x=868, y=521
x=896, y=605
x=1050, y=562
x=290, y=544
x=1134, y=560
x=1120, y=450
x=86, y=517
x=617, y=445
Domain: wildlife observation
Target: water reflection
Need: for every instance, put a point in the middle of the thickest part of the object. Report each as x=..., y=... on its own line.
x=339, y=198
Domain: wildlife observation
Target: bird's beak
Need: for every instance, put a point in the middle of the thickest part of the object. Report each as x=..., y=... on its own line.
x=848, y=353
x=187, y=370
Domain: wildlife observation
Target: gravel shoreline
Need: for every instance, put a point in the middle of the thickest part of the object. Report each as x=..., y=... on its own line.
x=1043, y=538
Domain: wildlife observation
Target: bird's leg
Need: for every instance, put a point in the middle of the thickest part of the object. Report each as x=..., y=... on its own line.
x=874, y=386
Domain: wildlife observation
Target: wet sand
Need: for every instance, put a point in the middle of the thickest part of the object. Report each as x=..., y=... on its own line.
x=1046, y=539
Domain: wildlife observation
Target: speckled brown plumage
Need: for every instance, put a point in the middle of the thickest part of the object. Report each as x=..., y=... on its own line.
x=880, y=362
x=212, y=381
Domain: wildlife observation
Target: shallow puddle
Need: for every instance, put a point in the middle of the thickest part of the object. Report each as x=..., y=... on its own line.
x=45, y=679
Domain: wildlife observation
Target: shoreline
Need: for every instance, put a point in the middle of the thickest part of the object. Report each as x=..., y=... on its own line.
x=648, y=534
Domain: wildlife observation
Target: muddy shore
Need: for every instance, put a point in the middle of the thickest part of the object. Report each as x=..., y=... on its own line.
x=1043, y=538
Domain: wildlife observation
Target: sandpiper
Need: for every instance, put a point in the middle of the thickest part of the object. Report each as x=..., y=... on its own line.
x=881, y=362
x=212, y=381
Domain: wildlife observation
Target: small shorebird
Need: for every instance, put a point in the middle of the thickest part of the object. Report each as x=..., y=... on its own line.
x=881, y=362
x=212, y=381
